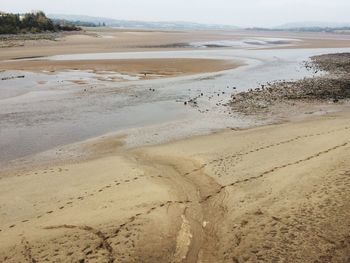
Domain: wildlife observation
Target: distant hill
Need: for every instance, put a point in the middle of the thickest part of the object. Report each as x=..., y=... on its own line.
x=312, y=24
x=308, y=27
x=136, y=24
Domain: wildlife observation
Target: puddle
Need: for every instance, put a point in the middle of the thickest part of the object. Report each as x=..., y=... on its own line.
x=246, y=43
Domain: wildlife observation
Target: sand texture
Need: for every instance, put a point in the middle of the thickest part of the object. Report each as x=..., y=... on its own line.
x=279, y=193
x=160, y=67
x=275, y=193
x=115, y=40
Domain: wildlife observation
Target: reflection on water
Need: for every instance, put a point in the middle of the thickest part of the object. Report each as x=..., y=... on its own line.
x=41, y=111
x=246, y=43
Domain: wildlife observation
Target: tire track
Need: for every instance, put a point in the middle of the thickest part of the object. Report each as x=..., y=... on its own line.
x=274, y=169
x=266, y=147
x=288, y=141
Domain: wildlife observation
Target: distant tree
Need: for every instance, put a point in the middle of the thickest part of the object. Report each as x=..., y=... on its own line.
x=37, y=22
x=9, y=23
x=30, y=23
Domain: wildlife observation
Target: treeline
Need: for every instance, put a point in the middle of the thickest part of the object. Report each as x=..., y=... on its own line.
x=31, y=23
x=78, y=23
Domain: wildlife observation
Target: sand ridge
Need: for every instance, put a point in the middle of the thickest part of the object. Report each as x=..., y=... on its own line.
x=144, y=67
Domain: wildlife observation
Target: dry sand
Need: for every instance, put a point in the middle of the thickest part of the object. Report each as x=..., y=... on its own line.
x=279, y=193
x=116, y=40
x=162, y=67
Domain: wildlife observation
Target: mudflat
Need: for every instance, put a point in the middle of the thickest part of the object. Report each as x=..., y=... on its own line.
x=160, y=67
x=121, y=40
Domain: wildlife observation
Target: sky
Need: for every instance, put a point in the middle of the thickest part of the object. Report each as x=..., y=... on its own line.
x=230, y=12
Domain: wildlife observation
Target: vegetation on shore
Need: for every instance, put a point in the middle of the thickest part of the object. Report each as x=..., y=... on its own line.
x=78, y=23
x=36, y=22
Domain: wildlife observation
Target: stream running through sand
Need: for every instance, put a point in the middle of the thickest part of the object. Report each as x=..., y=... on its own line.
x=46, y=110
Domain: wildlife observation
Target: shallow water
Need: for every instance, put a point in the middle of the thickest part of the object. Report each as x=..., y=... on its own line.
x=42, y=111
x=257, y=42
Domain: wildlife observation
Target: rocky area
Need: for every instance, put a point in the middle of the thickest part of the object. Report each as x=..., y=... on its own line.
x=18, y=40
x=333, y=86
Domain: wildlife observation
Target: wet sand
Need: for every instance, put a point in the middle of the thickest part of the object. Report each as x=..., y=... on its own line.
x=161, y=67
x=65, y=107
x=126, y=40
x=234, y=196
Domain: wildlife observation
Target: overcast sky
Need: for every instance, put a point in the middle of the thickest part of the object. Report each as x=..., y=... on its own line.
x=232, y=12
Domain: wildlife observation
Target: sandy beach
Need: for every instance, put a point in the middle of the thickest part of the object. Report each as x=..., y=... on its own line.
x=161, y=167
x=126, y=40
x=270, y=193
x=160, y=67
